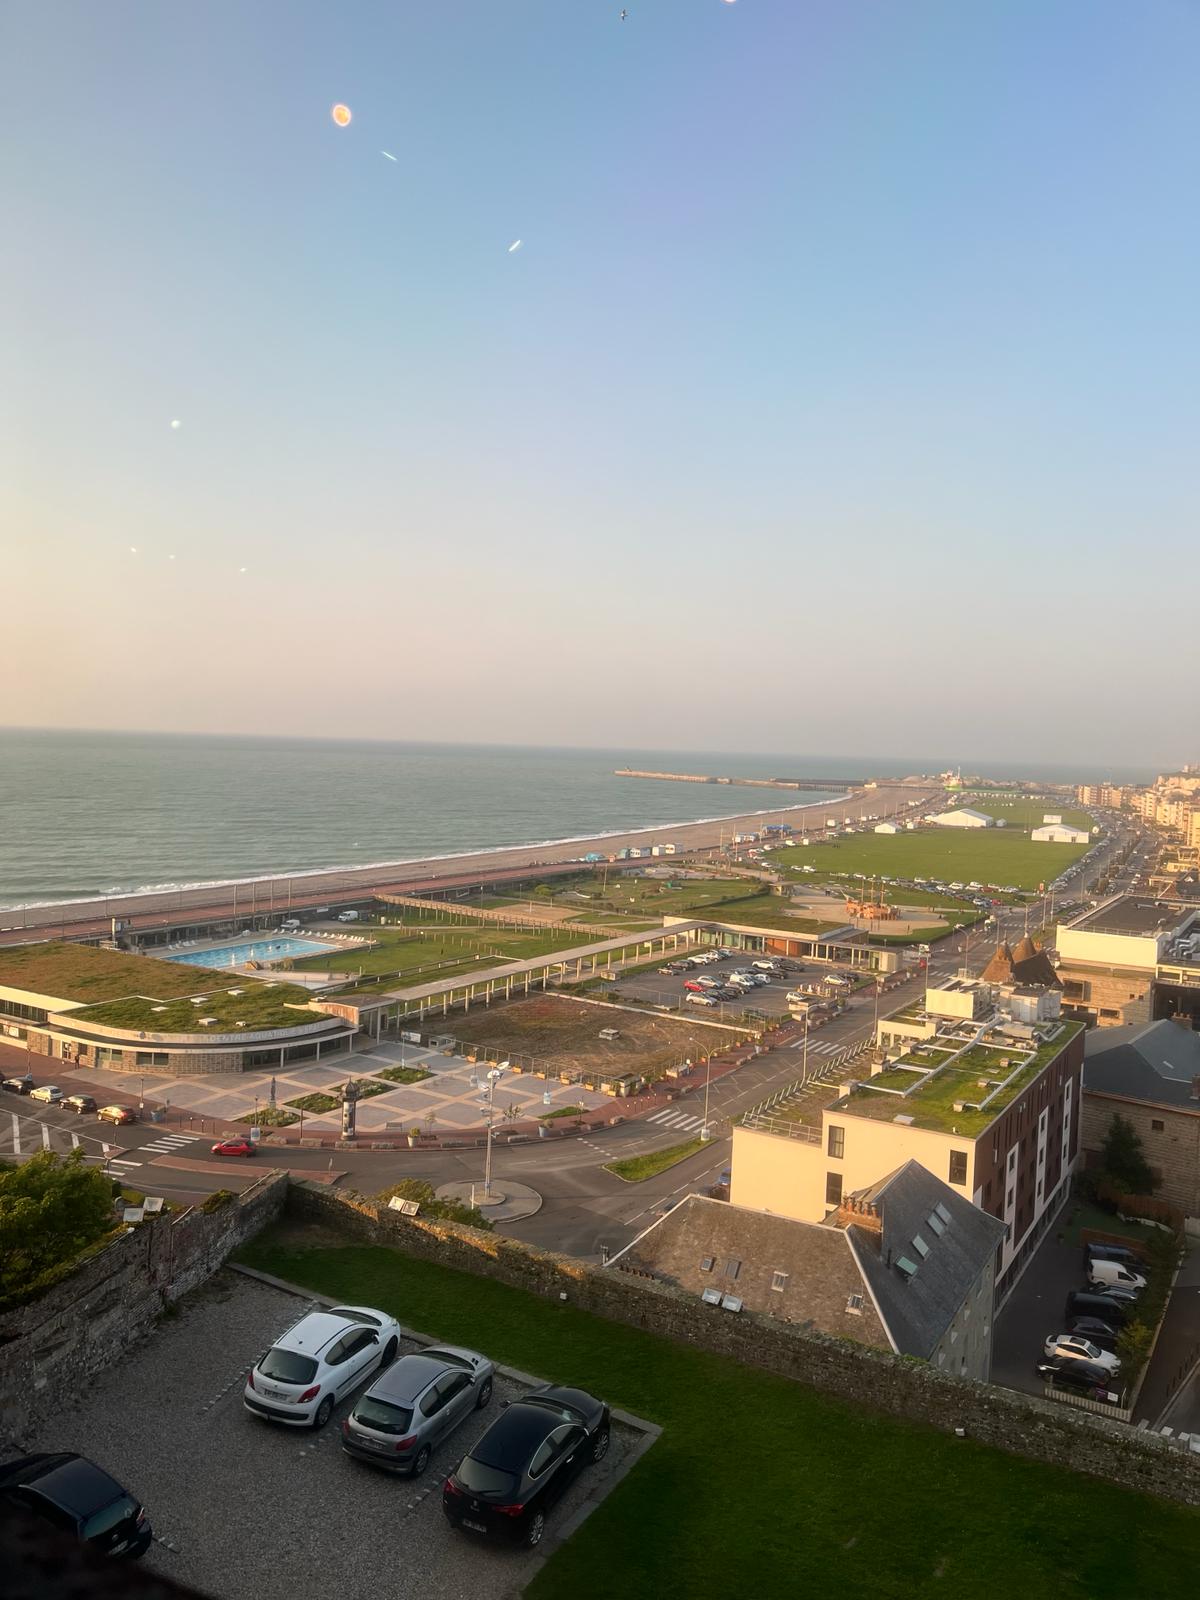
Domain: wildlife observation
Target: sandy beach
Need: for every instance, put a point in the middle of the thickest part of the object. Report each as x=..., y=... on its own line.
x=300, y=891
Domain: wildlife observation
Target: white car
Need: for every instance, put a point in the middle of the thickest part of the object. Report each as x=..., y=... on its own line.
x=49, y=1093
x=317, y=1362
x=743, y=980
x=1077, y=1347
x=700, y=1000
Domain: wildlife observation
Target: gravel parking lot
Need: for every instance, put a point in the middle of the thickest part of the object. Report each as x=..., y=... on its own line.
x=248, y=1510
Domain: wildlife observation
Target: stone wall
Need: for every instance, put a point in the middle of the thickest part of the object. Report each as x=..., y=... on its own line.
x=1021, y=1425
x=1172, y=1148
x=53, y=1345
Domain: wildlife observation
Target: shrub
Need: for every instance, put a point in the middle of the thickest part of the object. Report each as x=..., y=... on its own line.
x=1123, y=1160
x=51, y=1209
x=216, y=1201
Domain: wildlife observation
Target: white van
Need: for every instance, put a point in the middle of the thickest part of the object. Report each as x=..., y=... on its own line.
x=1111, y=1273
x=347, y=916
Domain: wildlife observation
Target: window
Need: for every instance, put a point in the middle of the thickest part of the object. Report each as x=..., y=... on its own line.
x=833, y=1188
x=779, y=1281
x=958, y=1166
x=837, y=1143
x=920, y=1246
x=152, y=1058
x=707, y=1264
x=1156, y=1125
x=732, y=1268
x=108, y=1057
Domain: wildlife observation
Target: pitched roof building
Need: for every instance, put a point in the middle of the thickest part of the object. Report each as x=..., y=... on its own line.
x=1149, y=1073
x=1026, y=964
x=906, y=1265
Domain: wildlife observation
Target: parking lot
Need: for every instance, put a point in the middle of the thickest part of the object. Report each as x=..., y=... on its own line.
x=243, y=1508
x=769, y=999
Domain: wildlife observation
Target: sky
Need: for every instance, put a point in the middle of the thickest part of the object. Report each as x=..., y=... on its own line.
x=841, y=395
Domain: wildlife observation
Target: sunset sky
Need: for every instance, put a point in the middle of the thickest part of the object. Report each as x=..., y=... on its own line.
x=841, y=396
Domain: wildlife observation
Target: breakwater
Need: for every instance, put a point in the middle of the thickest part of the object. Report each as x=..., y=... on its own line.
x=749, y=783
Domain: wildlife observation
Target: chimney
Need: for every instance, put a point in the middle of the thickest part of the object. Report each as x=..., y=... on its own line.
x=864, y=1214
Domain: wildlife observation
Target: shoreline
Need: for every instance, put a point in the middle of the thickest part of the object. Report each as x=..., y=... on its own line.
x=291, y=874
x=270, y=895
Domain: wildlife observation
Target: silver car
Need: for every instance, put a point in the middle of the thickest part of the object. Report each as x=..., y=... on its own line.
x=414, y=1405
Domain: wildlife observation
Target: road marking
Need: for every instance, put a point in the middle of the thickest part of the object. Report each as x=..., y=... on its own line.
x=115, y=1163
x=45, y=1136
x=657, y=1117
x=74, y=1141
x=16, y=1134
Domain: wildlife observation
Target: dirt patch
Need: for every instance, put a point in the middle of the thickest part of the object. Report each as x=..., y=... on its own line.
x=555, y=1034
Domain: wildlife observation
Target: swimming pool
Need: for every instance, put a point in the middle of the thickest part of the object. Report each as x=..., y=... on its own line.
x=236, y=955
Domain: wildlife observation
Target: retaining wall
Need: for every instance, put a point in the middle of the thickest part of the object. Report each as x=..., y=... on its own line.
x=54, y=1345
x=1019, y=1424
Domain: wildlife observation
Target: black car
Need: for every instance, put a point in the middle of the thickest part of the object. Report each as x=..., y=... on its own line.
x=1085, y=1303
x=80, y=1102
x=1099, y=1332
x=18, y=1085
x=1084, y=1377
x=1112, y=1252
x=74, y=1495
x=524, y=1463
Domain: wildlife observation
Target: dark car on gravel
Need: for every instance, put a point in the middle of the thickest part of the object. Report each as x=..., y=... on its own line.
x=72, y=1494
x=524, y=1464
x=1081, y=1377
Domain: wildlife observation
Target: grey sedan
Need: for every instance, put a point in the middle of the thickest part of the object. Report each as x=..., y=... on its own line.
x=414, y=1405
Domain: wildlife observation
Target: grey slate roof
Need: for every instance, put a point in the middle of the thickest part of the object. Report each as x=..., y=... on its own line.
x=1150, y=1061
x=919, y=1308
x=822, y=1272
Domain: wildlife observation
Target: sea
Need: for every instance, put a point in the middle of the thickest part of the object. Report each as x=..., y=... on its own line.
x=85, y=814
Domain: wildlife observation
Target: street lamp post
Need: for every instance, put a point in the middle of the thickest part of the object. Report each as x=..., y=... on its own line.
x=804, y=1062
x=704, y=1133
x=493, y=1078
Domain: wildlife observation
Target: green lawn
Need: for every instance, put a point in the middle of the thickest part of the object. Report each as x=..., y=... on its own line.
x=758, y=1484
x=563, y=1111
x=315, y=1103
x=634, y=1168
x=1028, y=813
x=657, y=897
x=953, y=855
x=418, y=949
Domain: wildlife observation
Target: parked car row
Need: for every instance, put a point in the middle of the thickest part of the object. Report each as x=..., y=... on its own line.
x=1083, y=1357
x=511, y=1477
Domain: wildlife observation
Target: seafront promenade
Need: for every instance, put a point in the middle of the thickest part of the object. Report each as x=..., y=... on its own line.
x=266, y=896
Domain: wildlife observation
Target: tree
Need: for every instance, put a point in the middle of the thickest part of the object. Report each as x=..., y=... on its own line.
x=51, y=1208
x=1123, y=1159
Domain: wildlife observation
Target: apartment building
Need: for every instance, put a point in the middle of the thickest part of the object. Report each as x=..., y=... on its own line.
x=1130, y=960
x=988, y=1104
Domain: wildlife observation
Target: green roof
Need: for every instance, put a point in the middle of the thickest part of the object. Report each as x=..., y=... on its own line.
x=118, y=990
x=84, y=972
x=932, y=1107
x=258, y=1005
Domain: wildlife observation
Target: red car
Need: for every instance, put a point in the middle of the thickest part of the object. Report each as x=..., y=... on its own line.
x=235, y=1147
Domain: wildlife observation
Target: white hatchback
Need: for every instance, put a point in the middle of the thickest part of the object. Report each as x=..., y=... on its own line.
x=319, y=1361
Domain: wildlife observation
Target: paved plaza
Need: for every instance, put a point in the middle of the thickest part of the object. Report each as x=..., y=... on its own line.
x=448, y=1095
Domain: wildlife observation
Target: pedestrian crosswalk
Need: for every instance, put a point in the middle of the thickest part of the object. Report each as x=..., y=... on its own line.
x=678, y=1121
x=820, y=1047
x=170, y=1141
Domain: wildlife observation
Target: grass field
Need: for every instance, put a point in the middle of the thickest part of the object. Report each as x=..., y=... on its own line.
x=1028, y=813
x=954, y=855
x=559, y=1034
x=258, y=1005
x=636, y=1168
x=461, y=948
x=657, y=897
x=758, y=1483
